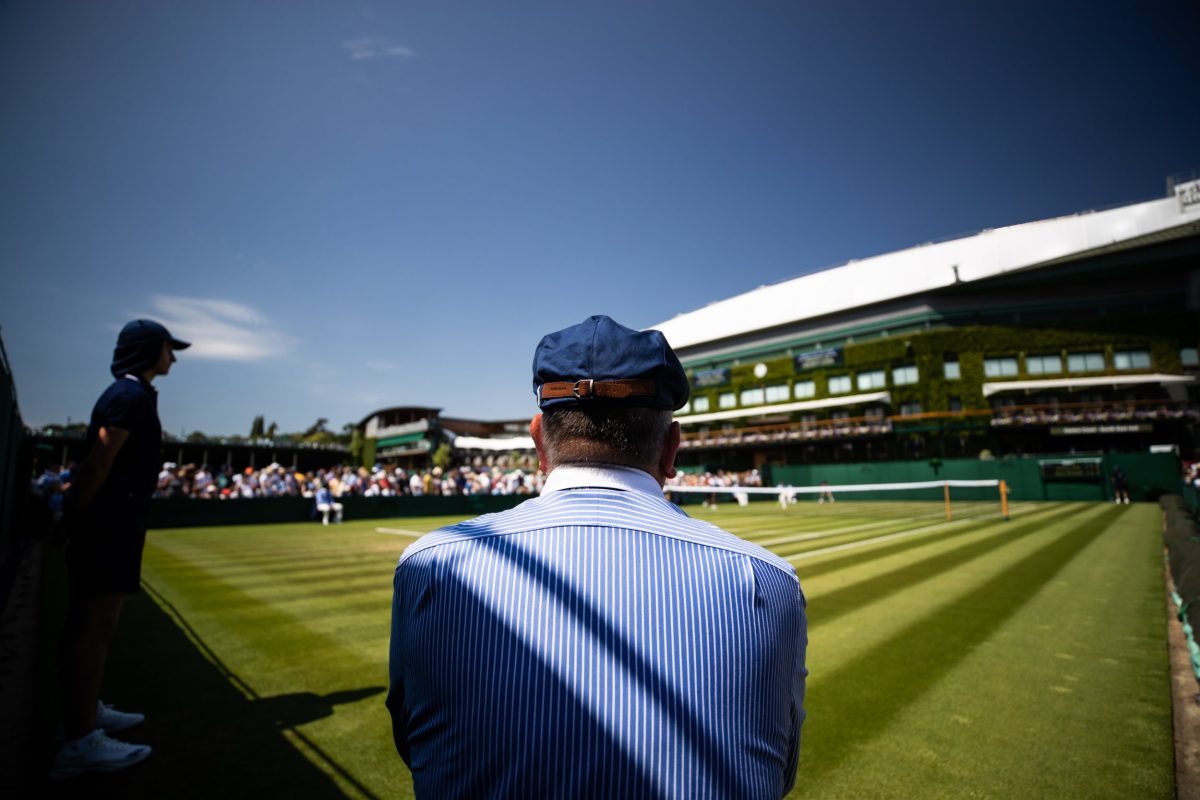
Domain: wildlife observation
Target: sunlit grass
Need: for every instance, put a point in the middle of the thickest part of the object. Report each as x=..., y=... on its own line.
x=964, y=658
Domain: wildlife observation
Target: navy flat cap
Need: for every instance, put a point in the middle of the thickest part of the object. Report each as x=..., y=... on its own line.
x=601, y=362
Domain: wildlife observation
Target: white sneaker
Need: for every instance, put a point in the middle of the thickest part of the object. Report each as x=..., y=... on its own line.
x=95, y=753
x=112, y=720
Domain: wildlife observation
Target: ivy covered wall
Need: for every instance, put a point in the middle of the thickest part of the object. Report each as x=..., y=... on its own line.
x=929, y=349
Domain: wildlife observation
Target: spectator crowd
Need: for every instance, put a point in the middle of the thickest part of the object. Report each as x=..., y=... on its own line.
x=1191, y=474
x=275, y=480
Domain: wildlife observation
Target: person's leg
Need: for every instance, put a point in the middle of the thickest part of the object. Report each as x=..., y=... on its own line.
x=91, y=623
x=337, y=510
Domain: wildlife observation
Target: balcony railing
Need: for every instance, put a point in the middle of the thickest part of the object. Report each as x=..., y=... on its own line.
x=1000, y=417
x=1111, y=411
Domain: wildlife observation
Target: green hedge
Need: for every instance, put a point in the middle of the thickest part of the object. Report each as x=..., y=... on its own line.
x=1183, y=561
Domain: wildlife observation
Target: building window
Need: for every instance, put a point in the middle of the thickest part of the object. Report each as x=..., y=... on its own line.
x=777, y=394
x=950, y=369
x=909, y=409
x=726, y=400
x=903, y=376
x=687, y=409
x=1043, y=365
x=805, y=389
x=955, y=403
x=1132, y=359
x=839, y=384
x=874, y=414
x=808, y=419
x=753, y=397
x=999, y=367
x=1189, y=357
x=700, y=403
x=1085, y=362
x=870, y=380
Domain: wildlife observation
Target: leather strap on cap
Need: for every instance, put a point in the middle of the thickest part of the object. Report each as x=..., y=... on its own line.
x=588, y=388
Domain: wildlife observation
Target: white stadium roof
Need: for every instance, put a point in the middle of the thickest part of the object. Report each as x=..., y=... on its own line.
x=933, y=266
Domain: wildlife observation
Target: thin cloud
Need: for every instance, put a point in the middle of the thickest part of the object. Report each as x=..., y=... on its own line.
x=221, y=330
x=379, y=365
x=376, y=47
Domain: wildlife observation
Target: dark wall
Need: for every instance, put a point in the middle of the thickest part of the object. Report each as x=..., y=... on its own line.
x=185, y=512
x=14, y=474
x=1150, y=475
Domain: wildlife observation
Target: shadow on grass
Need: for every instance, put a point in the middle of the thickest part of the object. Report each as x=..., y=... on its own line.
x=876, y=687
x=212, y=735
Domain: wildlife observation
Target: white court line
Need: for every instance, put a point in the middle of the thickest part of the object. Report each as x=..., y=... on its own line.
x=829, y=532
x=400, y=532
x=801, y=537
x=864, y=542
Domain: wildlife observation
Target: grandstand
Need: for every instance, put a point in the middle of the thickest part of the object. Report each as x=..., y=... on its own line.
x=407, y=436
x=1070, y=335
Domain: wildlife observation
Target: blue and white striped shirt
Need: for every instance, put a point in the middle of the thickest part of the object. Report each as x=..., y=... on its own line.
x=596, y=642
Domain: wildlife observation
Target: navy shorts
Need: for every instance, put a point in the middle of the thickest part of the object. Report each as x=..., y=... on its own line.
x=104, y=554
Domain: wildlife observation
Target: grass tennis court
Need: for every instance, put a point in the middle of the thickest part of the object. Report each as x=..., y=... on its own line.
x=972, y=658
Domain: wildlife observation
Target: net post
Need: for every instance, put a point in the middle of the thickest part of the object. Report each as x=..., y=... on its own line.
x=946, y=492
x=1004, y=498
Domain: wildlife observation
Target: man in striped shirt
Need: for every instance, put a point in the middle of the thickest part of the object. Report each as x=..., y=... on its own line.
x=596, y=641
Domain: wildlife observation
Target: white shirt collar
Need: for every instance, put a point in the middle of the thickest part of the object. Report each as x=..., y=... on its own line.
x=601, y=476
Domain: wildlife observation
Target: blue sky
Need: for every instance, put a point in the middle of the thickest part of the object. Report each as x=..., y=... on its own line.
x=355, y=205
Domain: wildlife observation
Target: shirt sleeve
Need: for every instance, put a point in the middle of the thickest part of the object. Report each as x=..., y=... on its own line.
x=799, y=677
x=396, y=700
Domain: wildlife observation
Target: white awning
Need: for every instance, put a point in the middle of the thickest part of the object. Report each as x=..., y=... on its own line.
x=787, y=408
x=1079, y=383
x=497, y=445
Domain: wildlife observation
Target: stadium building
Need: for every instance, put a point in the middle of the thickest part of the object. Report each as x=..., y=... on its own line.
x=1070, y=335
x=408, y=436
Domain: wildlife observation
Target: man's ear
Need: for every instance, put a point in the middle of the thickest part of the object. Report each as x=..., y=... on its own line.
x=666, y=463
x=535, y=431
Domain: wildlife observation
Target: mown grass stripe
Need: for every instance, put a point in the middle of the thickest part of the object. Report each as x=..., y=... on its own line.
x=854, y=559
x=878, y=684
x=258, y=618
x=828, y=607
x=873, y=540
x=822, y=548
x=901, y=526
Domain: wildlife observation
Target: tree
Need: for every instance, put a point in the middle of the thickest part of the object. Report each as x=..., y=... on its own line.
x=272, y=429
x=256, y=428
x=197, y=436
x=317, y=427
x=442, y=457
x=356, y=448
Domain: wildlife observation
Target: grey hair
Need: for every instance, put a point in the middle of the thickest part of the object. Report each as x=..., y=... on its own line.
x=628, y=436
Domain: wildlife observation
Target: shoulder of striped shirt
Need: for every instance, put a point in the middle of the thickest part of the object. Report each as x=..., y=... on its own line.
x=578, y=508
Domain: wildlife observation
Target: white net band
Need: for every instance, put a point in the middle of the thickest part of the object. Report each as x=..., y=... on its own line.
x=849, y=487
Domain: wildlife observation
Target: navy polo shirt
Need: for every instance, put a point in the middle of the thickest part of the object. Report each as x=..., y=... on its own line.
x=131, y=404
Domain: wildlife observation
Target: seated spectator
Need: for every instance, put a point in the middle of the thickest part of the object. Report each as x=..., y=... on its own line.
x=326, y=503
